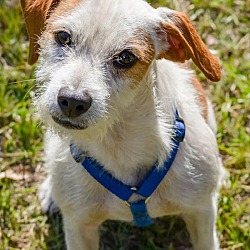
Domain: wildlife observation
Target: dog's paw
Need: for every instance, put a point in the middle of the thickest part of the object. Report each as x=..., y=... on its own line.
x=46, y=202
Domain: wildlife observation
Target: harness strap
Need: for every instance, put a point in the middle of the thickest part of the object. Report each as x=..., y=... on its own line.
x=140, y=213
x=145, y=188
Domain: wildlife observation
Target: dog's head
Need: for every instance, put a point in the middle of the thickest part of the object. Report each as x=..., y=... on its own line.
x=94, y=54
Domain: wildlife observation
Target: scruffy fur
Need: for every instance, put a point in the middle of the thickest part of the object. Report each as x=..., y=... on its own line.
x=129, y=124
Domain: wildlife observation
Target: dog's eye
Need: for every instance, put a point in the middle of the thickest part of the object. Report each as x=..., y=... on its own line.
x=125, y=59
x=63, y=38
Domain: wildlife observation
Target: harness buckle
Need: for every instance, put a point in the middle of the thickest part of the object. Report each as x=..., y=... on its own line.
x=145, y=201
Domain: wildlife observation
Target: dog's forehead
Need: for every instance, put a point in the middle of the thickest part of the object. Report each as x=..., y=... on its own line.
x=103, y=22
x=102, y=12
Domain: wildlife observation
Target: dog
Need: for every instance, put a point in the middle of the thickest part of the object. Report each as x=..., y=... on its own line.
x=131, y=134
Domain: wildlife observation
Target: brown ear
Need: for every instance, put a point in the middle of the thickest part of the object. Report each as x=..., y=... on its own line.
x=35, y=13
x=185, y=43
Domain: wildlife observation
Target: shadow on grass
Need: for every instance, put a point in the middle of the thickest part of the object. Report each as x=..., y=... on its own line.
x=166, y=233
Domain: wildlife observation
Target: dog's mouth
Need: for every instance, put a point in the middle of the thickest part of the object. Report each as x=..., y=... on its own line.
x=69, y=124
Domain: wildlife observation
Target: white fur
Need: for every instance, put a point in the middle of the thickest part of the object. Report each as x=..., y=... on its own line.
x=128, y=129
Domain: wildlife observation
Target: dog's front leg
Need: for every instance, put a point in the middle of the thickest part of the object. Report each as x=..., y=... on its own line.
x=80, y=236
x=45, y=196
x=201, y=227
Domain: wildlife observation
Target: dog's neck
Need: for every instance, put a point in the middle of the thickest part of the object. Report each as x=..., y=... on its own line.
x=140, y=137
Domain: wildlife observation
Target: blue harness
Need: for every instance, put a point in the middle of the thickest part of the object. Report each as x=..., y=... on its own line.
x=144, y=189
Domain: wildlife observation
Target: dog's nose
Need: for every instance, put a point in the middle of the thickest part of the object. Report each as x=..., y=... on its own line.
x=73, y=103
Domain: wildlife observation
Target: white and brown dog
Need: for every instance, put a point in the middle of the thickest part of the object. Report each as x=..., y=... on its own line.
x=112, y=92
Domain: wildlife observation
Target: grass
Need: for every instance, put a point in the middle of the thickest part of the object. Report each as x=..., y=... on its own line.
x=225, y=26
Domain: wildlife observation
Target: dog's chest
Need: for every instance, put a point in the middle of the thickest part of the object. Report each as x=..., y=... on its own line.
x=82, y=193
x=95, y=204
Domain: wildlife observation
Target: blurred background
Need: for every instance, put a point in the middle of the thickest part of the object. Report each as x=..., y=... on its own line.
x=224, y=26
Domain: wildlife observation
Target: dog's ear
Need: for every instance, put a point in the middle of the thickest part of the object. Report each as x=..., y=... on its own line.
x=184, y=43
x=35, y=13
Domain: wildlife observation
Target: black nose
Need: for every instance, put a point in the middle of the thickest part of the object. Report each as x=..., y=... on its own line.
x=73, y=103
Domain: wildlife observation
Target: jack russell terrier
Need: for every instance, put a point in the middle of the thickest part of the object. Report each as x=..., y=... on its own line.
x=131, y=134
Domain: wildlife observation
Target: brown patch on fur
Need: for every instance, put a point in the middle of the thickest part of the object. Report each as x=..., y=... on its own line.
x=144, y=50
x=36, y=13
x=64, y=8
x=201, y=97
x=137, y=73
x=185, y=43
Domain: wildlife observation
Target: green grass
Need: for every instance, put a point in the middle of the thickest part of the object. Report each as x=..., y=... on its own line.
x=22, y=226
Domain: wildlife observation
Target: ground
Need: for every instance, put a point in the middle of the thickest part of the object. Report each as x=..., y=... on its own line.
x=224, y=25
